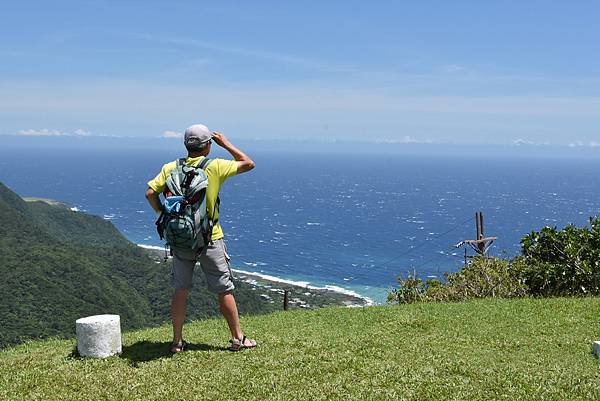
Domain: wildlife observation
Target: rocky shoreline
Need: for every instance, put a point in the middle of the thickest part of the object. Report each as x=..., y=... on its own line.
x=300, y=295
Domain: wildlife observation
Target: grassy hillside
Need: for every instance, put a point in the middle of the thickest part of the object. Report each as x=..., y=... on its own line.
x=526, y=349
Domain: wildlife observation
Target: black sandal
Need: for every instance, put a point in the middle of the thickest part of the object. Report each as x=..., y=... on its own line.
x=237, y=345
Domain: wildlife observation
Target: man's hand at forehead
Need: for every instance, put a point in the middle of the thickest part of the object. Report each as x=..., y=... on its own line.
x=219, y=138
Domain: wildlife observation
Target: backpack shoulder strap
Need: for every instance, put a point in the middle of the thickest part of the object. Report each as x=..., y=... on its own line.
x=204, y=163
x=174, y=180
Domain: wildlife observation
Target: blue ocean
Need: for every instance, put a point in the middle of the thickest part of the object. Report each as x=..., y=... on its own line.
x=355, y=221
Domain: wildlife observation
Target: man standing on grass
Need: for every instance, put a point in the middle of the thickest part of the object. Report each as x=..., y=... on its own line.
x=213, y=259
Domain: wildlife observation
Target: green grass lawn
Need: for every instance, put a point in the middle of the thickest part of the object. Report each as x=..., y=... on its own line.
x=480, y=350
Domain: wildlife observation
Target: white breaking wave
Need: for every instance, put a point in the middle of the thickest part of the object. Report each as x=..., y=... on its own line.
x=154, y=247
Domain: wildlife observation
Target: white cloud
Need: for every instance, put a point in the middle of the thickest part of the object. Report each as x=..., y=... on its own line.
x=53, y=132
x=171, y=134
x=405, y=140
x=521, y=141
x=82, y=132
x=582, y=144
x=525, y=142
x=41, y=132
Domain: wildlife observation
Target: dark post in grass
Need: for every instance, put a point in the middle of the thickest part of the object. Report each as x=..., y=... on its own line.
x=285, y=300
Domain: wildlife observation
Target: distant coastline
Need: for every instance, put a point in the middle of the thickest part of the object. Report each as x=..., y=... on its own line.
x=52, y=202
x=347, y=297
x=301, y=291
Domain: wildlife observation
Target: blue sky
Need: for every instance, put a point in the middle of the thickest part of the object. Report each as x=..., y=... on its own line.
x=494, y=72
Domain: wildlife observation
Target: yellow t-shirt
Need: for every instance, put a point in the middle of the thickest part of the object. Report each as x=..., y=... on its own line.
x=218, y=170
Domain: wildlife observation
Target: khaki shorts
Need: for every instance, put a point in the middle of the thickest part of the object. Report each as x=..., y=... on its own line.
x=214, y=262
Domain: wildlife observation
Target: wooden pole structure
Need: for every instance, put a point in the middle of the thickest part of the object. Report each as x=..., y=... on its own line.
x=285, y=300
x=481, y=246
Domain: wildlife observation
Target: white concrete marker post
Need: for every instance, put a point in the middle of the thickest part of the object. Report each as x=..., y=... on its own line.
x=596, y=348
x=99, y=336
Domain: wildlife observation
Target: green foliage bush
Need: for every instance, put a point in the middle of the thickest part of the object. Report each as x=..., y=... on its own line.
x=483, y=278
x=411, y=289
x=562, y=262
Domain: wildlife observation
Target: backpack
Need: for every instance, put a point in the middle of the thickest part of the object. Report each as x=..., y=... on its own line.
x=184, y=222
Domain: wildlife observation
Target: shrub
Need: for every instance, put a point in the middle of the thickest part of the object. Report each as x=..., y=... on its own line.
x=412, y=289
x=483, y=278
x=562, y=262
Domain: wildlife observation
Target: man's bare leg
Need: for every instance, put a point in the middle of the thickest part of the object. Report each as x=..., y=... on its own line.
x=178, y=310
x=229, y=310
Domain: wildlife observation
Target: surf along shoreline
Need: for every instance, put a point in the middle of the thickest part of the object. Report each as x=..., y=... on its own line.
x=300, y=294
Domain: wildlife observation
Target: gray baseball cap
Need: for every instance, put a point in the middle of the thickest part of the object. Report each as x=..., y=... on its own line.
x=196, y=134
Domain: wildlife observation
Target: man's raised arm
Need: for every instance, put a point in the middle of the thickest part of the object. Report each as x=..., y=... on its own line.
x=244, y=163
